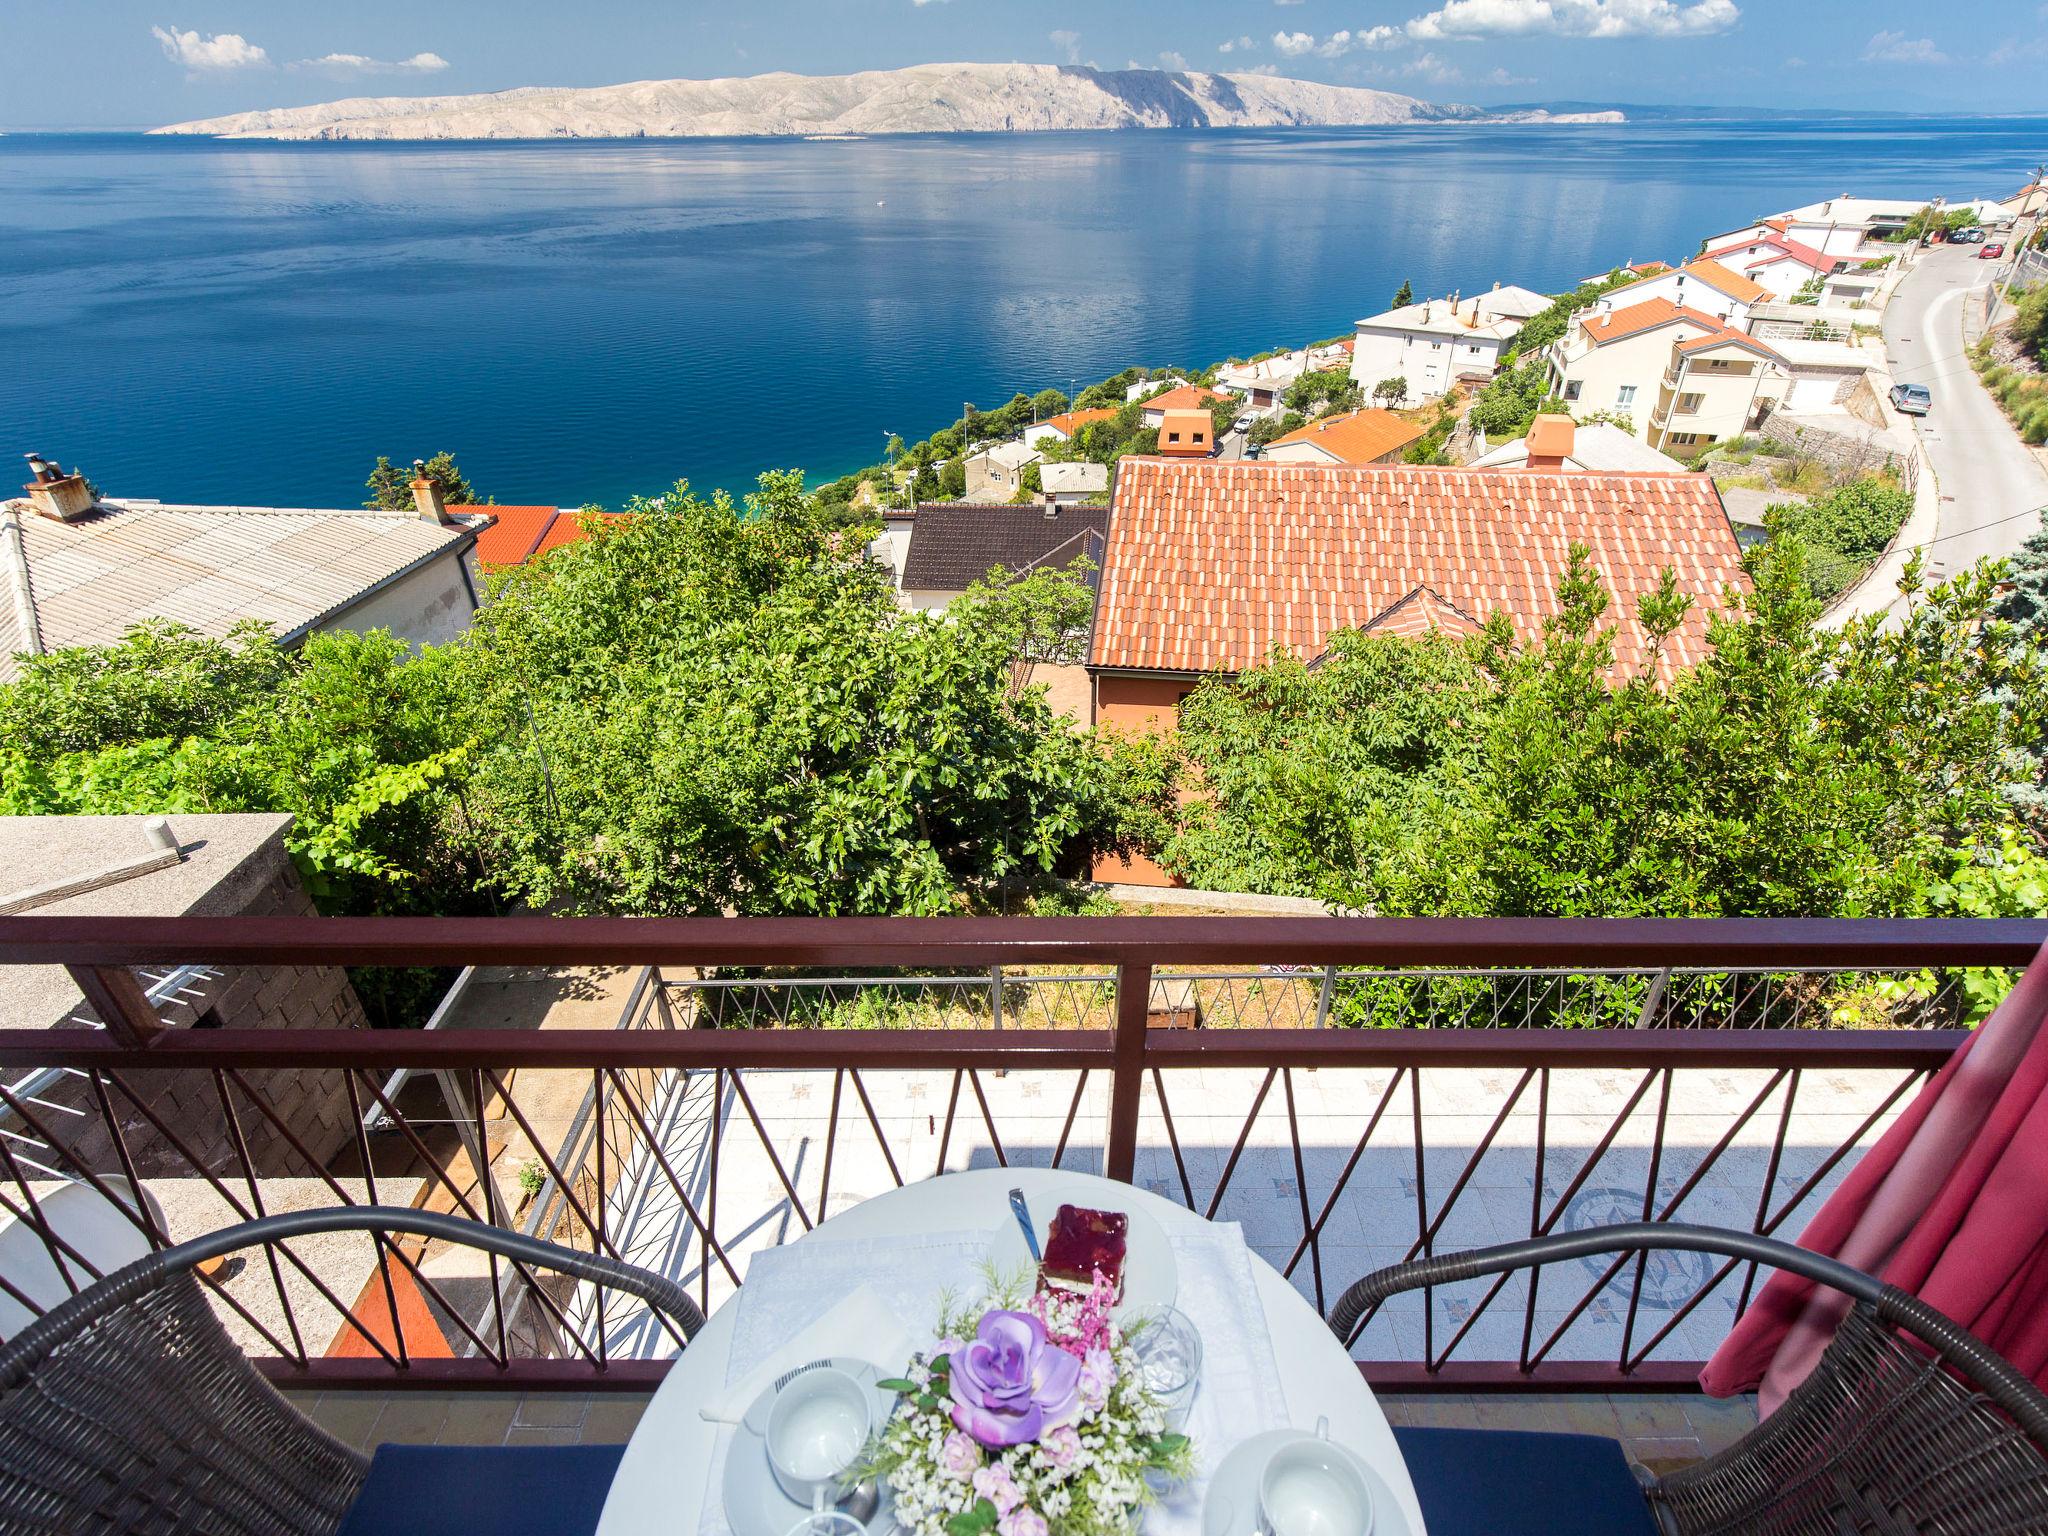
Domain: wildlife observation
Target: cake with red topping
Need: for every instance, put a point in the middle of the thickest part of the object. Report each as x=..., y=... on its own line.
x=1082, y=1244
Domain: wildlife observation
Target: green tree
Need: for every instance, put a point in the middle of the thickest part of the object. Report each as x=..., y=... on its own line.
x=1327, y=392
x=1390, y=392
x=953, y=480
x=926, y=487
x=2022, y=605
x=712, y=710
x=1404, y=295
x=1844, y=529
x=391, y=485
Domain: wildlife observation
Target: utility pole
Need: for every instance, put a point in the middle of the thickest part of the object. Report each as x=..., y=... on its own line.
x=2019, y=243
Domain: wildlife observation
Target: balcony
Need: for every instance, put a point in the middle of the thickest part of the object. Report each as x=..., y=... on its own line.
x=1352, y=1092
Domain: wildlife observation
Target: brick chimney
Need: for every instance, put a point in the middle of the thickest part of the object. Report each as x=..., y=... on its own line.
x=56, y=495
x=426, y=495
x=1549, y=442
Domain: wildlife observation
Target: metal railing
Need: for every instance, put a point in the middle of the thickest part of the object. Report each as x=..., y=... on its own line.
x=1497, y=1078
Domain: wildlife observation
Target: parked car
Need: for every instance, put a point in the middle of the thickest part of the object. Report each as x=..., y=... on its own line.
x=1992, y=251
x=1911, y=399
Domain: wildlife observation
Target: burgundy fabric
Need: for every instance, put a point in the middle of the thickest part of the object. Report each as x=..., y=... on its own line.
x=1951, y=1205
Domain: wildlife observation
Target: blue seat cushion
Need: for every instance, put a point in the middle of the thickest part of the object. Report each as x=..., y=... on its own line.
x=1491, y=1482
x=483, y=1490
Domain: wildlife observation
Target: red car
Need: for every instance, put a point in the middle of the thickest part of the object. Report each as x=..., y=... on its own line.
x=1991, y=252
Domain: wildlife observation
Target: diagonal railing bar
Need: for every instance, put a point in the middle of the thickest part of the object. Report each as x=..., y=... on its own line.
x=1443, y=1211
x=158, y=1239
x=874, y=1122
x=746, y=1099
x=597, y=1236
x=128, y=1209
x=501, y=1356
x=1059, y=1150
x=717, y=1128
x=1180, y=1163
x=1535, y=1212
x=1635, y=1292
x=1344, y=1174
x=946, y=1135
x=653, y=1145
x=487, y=1188
x=1315, y=1250
x=1422, y=1228
x=1770, y=1184
x=380, y=1243
x=240, y=1145
x=34, y=1217
x=1244, y=1135
x=995, y=1142
x=831, y=1143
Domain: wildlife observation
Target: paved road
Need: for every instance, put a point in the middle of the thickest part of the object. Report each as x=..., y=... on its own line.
x=1988, y=479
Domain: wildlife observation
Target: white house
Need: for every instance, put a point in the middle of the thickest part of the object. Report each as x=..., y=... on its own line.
x=1066, y=485
x=1370, y=436
x=1260, y=385
x=1061, y=428
x=1776, y=262
x=1183, y=397
x=1144, y=387
x=997, y=473
x=1839, y=226
x=1704, y=285
x=82, y=570
x=1440, y=343
x=1683, y=379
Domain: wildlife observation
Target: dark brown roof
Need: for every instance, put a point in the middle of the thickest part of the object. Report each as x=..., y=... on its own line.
x=954, y=544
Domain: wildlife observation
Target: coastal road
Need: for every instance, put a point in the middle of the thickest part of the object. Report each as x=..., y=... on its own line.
x=1990, y=483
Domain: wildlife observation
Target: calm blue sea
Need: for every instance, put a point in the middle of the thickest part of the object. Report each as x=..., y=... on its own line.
x=581, y=321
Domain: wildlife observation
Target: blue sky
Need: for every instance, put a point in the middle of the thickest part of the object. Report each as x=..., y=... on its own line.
x=140, y=62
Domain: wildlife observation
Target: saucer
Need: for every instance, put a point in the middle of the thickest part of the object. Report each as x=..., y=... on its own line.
x=1231, y=1505
x=754, y=1502
x=1151, y=1278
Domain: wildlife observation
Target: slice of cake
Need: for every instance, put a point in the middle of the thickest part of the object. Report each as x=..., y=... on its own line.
x=1081, y=1244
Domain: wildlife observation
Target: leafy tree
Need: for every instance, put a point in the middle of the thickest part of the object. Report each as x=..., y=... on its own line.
x=1513, y=399
x=1048, y=402
x=1844, y=529
x=1327, y=392
x=2023, y=605
x=953, y=480
x=1404, y=295
x=710, y=710
x=926, y=486
x=1392, y=391
x=391, y=485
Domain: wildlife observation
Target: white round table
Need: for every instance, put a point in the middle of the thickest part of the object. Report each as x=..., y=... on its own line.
x=661, y=1480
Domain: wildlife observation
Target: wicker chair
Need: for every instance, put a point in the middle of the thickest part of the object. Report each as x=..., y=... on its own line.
x=1908, y=1424
x=127, y=1408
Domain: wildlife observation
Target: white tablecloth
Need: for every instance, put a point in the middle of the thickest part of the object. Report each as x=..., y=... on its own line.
x=1240, y=1393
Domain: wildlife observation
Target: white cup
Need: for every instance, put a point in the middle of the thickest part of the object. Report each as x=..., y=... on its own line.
x=1311, y=1488
x=816, y=1430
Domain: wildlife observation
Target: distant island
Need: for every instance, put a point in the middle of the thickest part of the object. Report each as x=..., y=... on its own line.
x=926, y=98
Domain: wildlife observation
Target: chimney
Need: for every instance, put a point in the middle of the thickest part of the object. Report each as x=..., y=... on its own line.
x=1549, y=442
x=1052, y=508
x=426, y=495
x=60, y=497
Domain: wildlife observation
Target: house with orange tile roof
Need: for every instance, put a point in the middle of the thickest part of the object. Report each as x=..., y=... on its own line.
x=519, y=534
x=1370, y=436
x=1776, y=262
x=1678, y=379
x=1706, y=286
x=1186, y=397
x=1438, y=344
x=1061, y=428
x=1209, y=567
x=1187, y=434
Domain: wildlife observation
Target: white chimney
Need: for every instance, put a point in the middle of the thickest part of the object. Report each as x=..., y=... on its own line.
x=60, y=497
x=426, y=495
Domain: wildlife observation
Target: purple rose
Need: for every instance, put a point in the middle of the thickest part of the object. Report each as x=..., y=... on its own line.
x=1010, y=1384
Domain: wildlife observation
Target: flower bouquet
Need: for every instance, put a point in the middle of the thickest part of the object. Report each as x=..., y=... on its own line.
x=1032, y=1418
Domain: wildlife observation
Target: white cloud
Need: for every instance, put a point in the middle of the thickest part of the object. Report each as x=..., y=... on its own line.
x=1292, y=45
x=1502, y=77
x=2013, y=51
x=1068, y=43
x=1173, y=61
x=1337, y=44
x=1467, y=20
x=1433, y=69
x=1268, y=68
x=1237, y=45
x=363, y=64
x=224, y=50
x=1897, y=48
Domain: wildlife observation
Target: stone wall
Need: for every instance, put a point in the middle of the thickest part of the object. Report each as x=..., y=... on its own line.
x=179, y=1119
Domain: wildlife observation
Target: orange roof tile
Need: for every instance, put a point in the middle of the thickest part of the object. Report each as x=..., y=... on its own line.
x=1189, y=397
x=1211, y=565
x=1634, y=319
x=1421, y=611
x=1721, y=280
x=1071, y=422
x=514, y=535
x=1357, y=437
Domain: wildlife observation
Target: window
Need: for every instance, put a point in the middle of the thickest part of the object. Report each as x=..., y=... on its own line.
x=1689, y=404
x=1436, y=346
x=1685, y=439
x=1475, y=351
x=1173, y=437
x=1625, y=396
x=1572, y=388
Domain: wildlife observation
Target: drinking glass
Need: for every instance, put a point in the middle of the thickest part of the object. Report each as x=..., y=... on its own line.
x=1169, y=1353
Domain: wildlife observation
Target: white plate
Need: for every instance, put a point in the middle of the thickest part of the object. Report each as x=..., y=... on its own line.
x=1231, y=1506
x=755, y=1504
x=1151, y=1279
